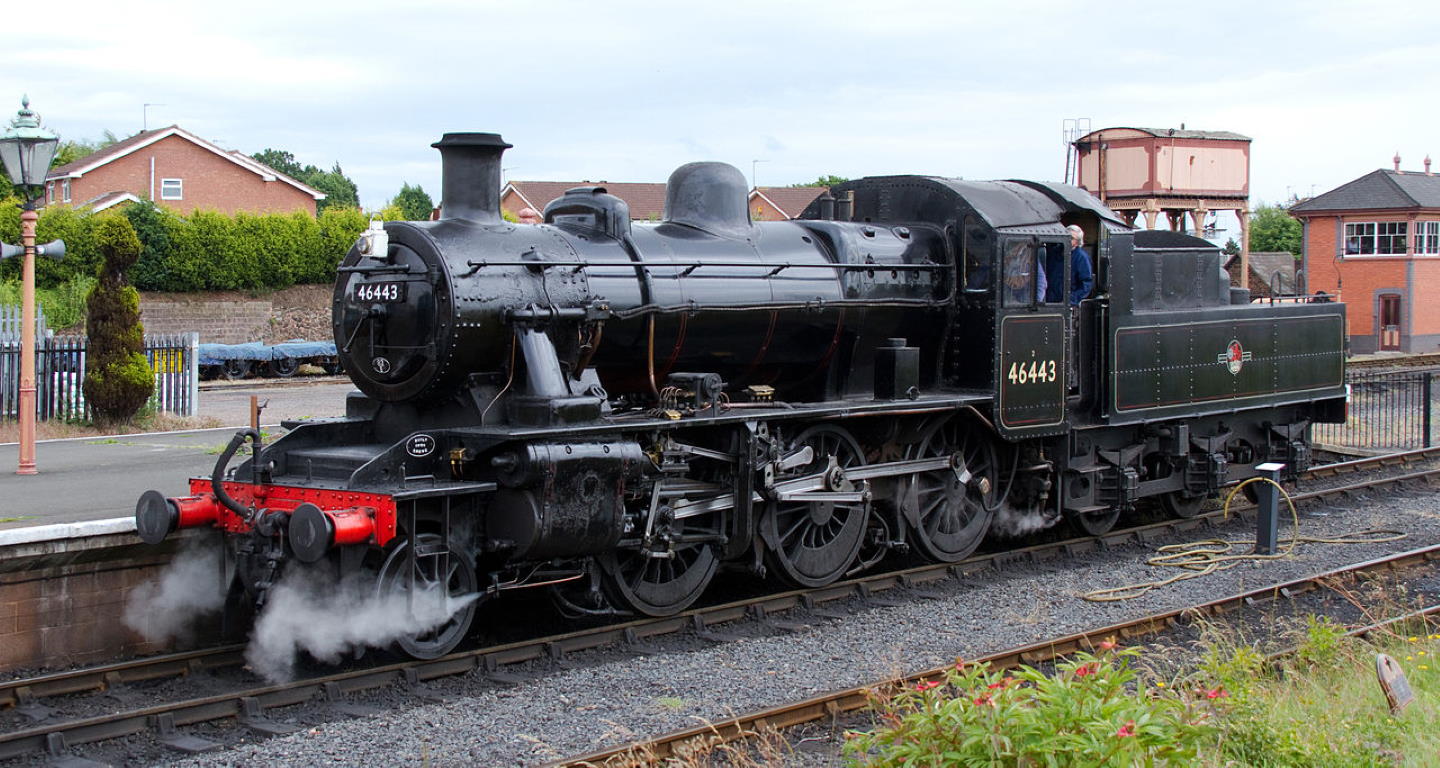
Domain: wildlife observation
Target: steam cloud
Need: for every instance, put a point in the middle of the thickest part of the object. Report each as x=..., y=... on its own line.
x=307, y=611
x=1013, y=522
x=188, y=588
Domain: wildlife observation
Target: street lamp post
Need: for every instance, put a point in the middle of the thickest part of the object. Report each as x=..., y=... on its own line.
x=27, y=151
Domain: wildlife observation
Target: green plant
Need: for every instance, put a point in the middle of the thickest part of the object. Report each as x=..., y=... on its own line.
x=118, y=378
x=1089, y=712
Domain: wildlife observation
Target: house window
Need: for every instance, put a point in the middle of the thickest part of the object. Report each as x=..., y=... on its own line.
x=65, y=191
x=172, y=189
x=1369, y=237
x=1427, y=238
x=50, y=193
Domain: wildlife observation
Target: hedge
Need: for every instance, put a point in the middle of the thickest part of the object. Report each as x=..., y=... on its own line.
x=204, y=251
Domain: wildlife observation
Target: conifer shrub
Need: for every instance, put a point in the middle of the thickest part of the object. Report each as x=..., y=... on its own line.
x=118, y=378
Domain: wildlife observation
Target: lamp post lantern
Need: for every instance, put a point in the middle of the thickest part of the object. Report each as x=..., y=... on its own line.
x=27, y=151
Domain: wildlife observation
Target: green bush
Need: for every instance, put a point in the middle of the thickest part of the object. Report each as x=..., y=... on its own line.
x=63, y=305
x=118, y=378
x=1090, y=712
x=203, y=251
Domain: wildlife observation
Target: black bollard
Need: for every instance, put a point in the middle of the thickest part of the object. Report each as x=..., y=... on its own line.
x=1267, y=521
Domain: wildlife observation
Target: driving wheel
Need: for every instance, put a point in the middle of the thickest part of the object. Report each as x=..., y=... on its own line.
x=813, y=543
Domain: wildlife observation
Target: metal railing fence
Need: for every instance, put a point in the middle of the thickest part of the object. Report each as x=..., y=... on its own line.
x=60, y=375
x=1389, y=411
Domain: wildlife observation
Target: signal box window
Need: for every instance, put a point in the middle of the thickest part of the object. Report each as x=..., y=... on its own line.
x=172, y=189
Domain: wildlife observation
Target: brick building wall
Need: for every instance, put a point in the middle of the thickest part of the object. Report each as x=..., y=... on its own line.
x=1362, y=280
x=208, y=181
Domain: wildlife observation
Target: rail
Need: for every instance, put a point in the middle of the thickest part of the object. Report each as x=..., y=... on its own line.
x=249, y=704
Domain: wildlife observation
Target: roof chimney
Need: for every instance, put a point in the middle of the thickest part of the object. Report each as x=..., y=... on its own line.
x=1427, y=166
x=1397, y=160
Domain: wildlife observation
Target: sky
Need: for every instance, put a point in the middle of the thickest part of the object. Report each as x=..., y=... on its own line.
x=786, y=91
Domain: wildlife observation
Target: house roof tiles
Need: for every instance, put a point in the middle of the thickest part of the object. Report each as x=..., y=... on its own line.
x=1378, y=190
x=77, y=168
x=792, y=201
x=647, y=200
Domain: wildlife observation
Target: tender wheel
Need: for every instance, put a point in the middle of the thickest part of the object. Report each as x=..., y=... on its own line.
x=284, y=367
x=440, y=625
x=949, y=510
x=1177, y=504
x=1095, y=523
x=235, y=369
x=664, y=575
x=810, y=544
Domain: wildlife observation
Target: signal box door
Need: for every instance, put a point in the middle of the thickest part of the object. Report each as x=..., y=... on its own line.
x=1031, y=339
x=1389, y=322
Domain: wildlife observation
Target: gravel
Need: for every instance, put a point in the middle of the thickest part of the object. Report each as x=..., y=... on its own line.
x=617, y=697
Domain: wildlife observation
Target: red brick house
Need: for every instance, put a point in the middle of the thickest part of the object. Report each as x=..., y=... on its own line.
x=180, y=171
x=647, y=201
x=1376, y=241
x=781, y=203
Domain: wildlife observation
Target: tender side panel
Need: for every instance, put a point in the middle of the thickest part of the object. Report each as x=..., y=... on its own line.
x=1186, y=365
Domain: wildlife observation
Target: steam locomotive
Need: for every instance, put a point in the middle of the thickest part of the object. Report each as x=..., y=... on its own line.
x=613, y=411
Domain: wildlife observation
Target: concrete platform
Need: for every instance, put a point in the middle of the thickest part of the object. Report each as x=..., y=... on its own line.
x=99, y=478
x=87, y=479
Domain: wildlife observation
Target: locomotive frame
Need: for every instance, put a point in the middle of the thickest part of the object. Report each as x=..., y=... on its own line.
x=613, y=412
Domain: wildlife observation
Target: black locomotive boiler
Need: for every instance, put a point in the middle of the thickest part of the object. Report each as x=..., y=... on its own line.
x=614, y=410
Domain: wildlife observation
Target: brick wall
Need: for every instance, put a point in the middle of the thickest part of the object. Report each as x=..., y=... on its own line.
x=217, y=321
x=63, y=608
x=209, y=181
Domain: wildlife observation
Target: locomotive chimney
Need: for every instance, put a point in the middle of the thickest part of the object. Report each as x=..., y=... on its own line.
x=470, y=176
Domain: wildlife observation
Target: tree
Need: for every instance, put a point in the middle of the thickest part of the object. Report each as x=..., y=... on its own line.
x=414, y=204
x=1272, y=230
x=118, y=378
x=69, y=151
x=827, y=180
x=339, y=189
x=1231, y=248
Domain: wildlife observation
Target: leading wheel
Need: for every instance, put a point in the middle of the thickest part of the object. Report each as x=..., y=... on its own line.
x=810, y=544
x=661, y=573
x=949, y=510
x=436, y=620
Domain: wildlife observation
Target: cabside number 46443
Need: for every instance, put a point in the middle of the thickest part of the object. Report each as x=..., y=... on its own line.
x=1036, y=371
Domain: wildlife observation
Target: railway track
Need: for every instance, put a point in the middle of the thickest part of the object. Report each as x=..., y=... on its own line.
x=832, y=705
x=248, y=704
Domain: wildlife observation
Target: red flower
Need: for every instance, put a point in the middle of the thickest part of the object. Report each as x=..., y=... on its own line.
x=981, y=701
x=1107, y=645
x=1127, y=730
x=1006, y=683
x=925, y=685
x=1087, y=669
x=1216, y=693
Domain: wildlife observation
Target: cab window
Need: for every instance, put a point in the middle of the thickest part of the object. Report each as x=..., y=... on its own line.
x=1024, y=283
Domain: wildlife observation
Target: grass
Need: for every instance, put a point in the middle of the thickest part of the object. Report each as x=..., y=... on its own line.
x=21, y=518
x=152, y=422
x=1323, y=706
